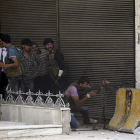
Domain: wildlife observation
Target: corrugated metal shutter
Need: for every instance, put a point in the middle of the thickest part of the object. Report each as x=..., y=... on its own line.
x=35, y=19
x=97, y=39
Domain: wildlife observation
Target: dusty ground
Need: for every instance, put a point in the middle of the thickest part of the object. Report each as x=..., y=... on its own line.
x=86, y=133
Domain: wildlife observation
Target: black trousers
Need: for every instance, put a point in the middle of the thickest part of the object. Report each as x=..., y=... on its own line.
x=55, y=88
x=41, y=83
x=3, y=83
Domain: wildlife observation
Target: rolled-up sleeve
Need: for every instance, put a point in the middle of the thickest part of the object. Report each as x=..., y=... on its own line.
x=13, y=53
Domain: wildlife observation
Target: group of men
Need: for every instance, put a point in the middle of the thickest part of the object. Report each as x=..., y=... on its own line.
x=31, y=68
x=34, y=69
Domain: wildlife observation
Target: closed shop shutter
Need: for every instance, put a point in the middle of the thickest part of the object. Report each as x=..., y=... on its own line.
x=97, y=39
x=34, y=19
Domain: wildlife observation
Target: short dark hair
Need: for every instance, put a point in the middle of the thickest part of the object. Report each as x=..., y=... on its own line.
x=6, y=38
x=83, y=79
x=34, y=43
x=26, y=41
x=48, y=40
x=1, y=34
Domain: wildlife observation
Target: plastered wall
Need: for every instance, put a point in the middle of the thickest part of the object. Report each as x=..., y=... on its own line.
x=137, y=42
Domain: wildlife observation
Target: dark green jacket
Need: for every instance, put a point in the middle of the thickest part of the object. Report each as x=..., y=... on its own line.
x=56, y=62
x=12, y=71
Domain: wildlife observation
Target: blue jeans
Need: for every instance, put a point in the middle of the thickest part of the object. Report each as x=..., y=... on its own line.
x=84, y=111
x=14, y=83
x=85, y=114
x=74, y=123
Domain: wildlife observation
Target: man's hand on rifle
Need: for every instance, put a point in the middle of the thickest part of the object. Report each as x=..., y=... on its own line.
x=56, y=82
x=92, y=93
x=59, y=75
x=105, y=82
x=34, y=75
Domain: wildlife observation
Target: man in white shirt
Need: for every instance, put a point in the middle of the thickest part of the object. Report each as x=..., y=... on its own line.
x=3, y=77
x=1, y=46
x=3, y=51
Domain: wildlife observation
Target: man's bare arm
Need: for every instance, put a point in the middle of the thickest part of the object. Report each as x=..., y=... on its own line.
x=15, y=64
x=78, y=102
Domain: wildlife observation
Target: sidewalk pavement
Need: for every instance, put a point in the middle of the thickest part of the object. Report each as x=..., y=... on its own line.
x=85, y=132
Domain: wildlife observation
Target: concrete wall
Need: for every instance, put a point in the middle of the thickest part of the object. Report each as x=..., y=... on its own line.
x=34, y=115
x=137, y=42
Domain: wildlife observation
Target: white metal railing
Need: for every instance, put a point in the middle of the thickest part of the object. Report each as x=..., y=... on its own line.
x=21, y=98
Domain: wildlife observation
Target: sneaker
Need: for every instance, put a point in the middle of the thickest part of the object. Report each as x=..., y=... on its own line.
x=92, y=121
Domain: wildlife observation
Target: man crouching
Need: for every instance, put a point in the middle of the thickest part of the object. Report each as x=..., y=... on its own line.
x=76, y=104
